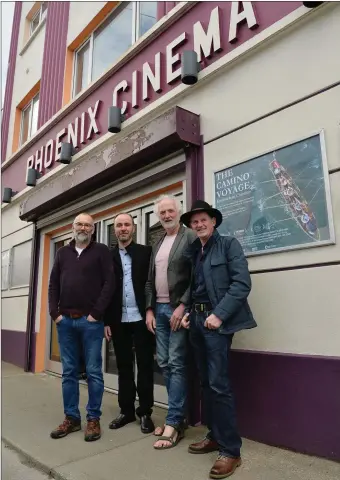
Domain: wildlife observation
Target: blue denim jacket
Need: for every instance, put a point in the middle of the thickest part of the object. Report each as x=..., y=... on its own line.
x=228, y=283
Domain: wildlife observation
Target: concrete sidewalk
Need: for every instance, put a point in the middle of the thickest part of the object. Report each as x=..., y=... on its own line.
x=32, y=407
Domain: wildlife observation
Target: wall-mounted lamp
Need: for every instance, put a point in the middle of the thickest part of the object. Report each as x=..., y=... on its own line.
x=312, y=4
x=7, y=195
x=190, y=67
x=66, y=153
x=115, y=119
x=32, y=177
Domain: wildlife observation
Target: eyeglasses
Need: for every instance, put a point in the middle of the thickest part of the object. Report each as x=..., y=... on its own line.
x=79, y=225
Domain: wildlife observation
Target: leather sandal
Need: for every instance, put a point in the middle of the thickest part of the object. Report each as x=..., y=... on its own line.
x=170, y=439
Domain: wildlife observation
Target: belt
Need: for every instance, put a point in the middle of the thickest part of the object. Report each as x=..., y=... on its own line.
x=75, y=315
x=202, y=307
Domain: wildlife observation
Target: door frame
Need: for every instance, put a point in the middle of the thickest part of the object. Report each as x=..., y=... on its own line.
x=53, y=365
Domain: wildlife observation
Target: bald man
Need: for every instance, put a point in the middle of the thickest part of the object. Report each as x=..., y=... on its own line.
x=80, y=290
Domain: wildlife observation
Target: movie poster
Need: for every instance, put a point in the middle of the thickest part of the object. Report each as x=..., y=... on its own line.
x=279, y=200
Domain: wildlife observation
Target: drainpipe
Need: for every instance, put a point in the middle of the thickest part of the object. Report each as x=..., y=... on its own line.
x=32, y=296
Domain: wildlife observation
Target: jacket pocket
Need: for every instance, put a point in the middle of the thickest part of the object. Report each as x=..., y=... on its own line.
x=219, y=272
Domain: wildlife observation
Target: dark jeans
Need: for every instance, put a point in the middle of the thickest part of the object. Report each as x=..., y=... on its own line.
x=130, y=339
x=72, y=333
x=212, y=356
x=172, y=359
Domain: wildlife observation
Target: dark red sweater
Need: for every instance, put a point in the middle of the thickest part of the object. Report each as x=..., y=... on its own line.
x=81, y=284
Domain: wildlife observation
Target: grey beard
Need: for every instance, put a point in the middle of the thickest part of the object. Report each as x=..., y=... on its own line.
x=171, y=224
x=81, y=237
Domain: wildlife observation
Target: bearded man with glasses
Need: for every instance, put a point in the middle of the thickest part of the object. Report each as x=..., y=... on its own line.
x=80, y=290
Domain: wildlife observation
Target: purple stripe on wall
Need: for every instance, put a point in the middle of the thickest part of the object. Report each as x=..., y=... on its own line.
x=13, y=347
x=194, y=172
x=10, y=79
x=290, y=401
x=169, y=6
x=53, y=68
x=160, y=10
x=164, y=8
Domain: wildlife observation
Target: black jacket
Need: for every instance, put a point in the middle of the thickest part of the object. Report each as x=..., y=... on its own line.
x=140, y=255
x=228, y=282
x=83, y=284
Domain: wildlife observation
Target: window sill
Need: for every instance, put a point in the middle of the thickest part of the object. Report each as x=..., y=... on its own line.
x=32, y=37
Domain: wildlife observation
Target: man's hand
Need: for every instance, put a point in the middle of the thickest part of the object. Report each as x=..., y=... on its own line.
x=57, y=320
x=212, y=322
x=176, y=317
x=91, y=319
x=107, y=333
x=185, y=321
x=150, y=321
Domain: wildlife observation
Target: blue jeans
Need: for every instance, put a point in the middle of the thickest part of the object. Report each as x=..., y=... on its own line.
x=212, y=356
x=71, y=334
x=171, y=350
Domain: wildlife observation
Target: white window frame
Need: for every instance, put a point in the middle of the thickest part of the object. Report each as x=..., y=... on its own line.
x=7, y=282
x=11, y=264
x=29, y=105
x=134, y=37
x=41, y=14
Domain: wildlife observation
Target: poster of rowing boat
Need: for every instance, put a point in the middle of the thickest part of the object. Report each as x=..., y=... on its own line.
x=279, y=200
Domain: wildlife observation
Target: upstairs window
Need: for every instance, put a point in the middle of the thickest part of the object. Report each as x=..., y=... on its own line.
x=29, y=120
x=147, y=17
x=38, y=17
x=111, y=40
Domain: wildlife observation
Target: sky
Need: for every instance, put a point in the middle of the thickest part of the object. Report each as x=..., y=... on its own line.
x=7, y=10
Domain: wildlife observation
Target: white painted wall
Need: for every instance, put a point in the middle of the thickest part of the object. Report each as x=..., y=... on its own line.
x=28, y=68
x=14, y=313
x=10, y=221
x=295, y=63
x=14, y=301
x=297, y=311
x=81, y=13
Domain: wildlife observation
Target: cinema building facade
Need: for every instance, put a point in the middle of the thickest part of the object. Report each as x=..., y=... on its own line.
x=257, y=135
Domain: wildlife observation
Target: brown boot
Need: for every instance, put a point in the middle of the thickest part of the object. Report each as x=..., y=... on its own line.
x=204, y=446
x=69, y=425
x=92, y=431
x=224, y=467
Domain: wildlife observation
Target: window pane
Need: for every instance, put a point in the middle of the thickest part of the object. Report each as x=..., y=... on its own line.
x=20, y=271
x=154, y=229
x=147, y=17
x=111, y=40
x=82, y=68
x=4, y=269
x=43, y=8
x=25, y=124
x=35, y=22
x=34, y=124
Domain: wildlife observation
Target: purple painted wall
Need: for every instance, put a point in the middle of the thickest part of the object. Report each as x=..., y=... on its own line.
x=53, y=67
x=13, y=347
x=10, y=79
x=163, y=8
x=267, y=14
x=290, y=401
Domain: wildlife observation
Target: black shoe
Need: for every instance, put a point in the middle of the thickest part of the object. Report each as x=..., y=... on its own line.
x=146, y=424
x=121, y=421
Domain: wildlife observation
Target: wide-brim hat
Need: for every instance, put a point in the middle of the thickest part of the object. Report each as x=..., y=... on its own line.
x=202, y=206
